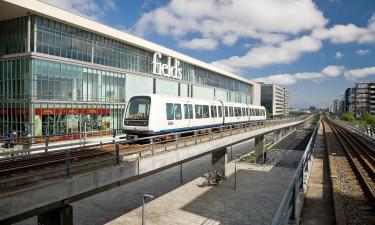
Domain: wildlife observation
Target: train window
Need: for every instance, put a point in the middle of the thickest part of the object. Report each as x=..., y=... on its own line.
x=206, y=112
x=177, y=111
x=247, y=111
x=220, y=111
x=243, y=112
x=188, y=111
x=231, y=111
x=226, y=111
x=169, y=111
x=257, y=112
x=138, y=108
x=198, y=111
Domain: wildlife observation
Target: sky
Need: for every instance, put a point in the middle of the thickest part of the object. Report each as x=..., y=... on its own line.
x=315, y=49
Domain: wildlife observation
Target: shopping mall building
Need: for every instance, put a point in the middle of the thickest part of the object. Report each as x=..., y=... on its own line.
x=61, y=73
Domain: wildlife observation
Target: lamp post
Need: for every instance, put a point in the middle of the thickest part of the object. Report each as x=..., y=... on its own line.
x=235, y=171
x=144, y=196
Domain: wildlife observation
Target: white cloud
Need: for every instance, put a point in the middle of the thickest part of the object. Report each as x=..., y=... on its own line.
x=333, y=71
x=86, y=8
x=340, y=34
x=308, y=76
x=327, y=72
x=283, y=53
x=359, y=73
x=204, y=43
x=339, y=55
x=280, y=79
x=362, y=52
x=227, y=21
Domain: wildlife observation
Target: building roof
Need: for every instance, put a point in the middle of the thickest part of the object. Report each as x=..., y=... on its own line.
x=17, y=8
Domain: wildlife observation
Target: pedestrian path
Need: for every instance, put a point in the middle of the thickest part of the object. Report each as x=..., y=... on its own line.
x=318, y=208
x=258, y=194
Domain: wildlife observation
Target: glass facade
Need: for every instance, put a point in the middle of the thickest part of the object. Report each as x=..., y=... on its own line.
x=13, y=36
x=85, y=87
x=62, y=40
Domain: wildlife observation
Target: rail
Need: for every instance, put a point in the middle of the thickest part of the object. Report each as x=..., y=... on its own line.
x=286, y=212
x=151, y=146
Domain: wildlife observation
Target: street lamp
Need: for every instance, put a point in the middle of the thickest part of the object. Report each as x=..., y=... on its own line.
x=144, y=196
x=235, y=171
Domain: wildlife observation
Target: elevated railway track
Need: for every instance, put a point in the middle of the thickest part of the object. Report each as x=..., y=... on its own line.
x=21, y=167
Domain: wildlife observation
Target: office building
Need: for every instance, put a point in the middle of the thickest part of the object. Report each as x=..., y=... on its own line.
x=272, y=97
x=363, y=97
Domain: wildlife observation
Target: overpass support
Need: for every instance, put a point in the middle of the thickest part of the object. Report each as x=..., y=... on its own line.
x=219, y=160
x=259, y=148
x=277, y=135
x=60, y=216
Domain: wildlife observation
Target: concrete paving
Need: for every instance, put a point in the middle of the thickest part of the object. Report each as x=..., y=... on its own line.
x=318, y=207
x=258, y=194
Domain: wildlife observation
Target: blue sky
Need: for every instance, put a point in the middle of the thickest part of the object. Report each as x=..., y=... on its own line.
x=316, y=49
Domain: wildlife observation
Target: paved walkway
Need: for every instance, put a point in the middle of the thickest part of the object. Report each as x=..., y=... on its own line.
x=259, y=192
x=318, y=208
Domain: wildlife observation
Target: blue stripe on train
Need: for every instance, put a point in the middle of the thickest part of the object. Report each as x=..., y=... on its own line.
x=192, y=128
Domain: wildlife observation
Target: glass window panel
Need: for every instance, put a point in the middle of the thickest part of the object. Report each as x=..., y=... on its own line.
x=169, y=111
x=206, y=113
x=177, y=111
x=198, y=111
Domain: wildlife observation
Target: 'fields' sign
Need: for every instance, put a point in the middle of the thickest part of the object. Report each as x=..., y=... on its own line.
x=167, y=69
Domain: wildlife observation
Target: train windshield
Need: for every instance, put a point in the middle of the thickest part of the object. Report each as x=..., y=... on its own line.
x=138, y=108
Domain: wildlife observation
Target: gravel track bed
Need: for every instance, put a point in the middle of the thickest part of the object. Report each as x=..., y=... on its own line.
x=357, y=208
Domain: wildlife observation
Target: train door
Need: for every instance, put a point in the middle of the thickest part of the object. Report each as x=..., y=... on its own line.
x=220, y=111
x=213, y=113
x=188, y=113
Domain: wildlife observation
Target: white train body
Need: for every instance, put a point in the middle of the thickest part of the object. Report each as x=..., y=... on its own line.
x=158, y=114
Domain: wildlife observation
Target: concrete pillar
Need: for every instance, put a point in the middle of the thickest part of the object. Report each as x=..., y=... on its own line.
x=60, y=216
x=219, y=160
x=259, y=146
x=276, y=136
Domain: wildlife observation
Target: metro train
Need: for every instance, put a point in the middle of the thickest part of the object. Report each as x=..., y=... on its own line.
x=149, y=115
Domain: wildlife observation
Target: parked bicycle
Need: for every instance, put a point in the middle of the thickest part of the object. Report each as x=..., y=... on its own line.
x=213, y=178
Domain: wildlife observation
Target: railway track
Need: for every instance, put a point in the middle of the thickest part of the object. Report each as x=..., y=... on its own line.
x=17, y=165
x=355, y=163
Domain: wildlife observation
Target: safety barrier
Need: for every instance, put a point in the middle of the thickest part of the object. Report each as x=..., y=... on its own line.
x=287, y=211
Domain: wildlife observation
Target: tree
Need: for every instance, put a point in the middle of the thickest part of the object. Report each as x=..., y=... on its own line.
x=368, y=119
x=348, y=116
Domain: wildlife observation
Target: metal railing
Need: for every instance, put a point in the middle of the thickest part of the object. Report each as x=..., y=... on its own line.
x=355, y=130
x=286, y=212
x=150, y=146
x=151, y=140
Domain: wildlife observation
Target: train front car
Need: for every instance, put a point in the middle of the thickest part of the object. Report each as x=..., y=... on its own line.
x=137, y=117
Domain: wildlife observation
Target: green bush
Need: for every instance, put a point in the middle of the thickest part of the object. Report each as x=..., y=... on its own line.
x=348, y=116
x=368, y=120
